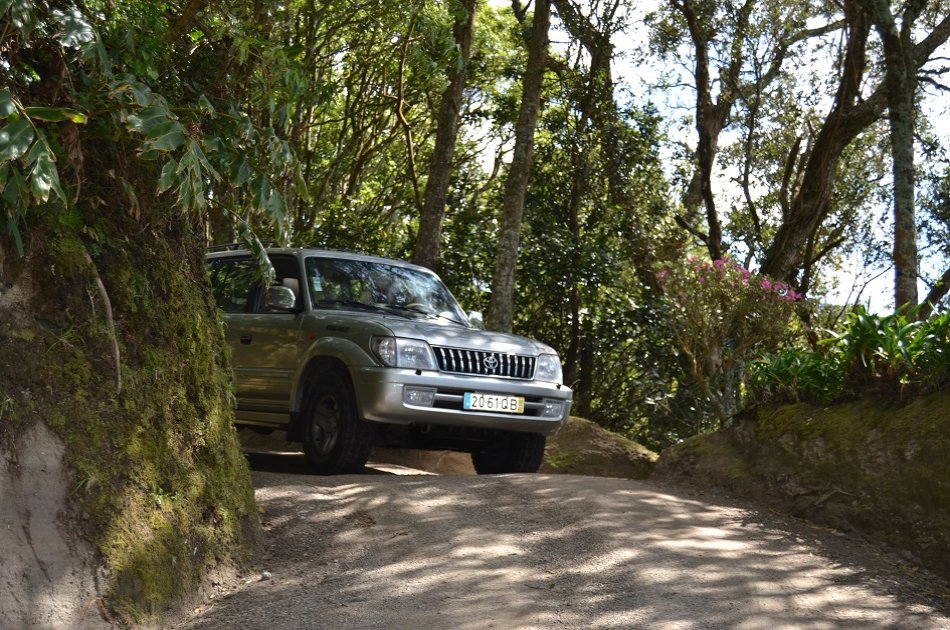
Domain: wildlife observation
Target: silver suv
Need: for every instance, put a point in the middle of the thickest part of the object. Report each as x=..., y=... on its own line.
x=346, y=351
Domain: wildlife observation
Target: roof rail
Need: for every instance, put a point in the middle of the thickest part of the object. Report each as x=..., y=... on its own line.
x=229, y=247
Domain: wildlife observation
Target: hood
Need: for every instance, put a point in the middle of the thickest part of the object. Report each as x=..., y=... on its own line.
x=456, y=336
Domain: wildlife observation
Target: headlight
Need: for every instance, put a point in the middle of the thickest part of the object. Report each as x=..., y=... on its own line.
x=413, y=354
x=549, y=369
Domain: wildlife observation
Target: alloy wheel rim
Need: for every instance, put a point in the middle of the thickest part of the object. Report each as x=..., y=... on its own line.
x=326, y=424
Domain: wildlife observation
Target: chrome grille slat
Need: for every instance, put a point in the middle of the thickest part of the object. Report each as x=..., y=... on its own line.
x=485, y=363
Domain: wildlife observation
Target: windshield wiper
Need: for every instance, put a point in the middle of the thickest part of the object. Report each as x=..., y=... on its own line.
x=421, y=311
x=363, y=306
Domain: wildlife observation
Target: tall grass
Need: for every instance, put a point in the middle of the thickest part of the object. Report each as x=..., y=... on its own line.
x=894, y=353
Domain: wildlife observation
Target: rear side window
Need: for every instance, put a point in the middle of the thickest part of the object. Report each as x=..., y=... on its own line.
x=234, y=284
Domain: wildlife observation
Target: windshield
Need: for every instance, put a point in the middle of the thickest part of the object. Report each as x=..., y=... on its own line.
x=367, y=285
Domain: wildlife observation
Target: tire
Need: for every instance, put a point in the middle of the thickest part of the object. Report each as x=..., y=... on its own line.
x=517, y=453
x=335, y=439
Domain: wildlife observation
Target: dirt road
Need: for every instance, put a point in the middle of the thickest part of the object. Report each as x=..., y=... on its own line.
x=537, y=551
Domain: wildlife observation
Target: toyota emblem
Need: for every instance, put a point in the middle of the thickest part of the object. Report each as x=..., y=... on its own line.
x=490, y=363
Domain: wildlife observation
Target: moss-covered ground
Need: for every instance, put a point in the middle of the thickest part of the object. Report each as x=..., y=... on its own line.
x=585, y=448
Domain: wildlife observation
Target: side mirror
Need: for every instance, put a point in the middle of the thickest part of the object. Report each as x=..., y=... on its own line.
x=279, y=298
x=477, y=319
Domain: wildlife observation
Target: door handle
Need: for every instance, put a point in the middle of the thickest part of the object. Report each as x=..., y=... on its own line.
x=246, y=339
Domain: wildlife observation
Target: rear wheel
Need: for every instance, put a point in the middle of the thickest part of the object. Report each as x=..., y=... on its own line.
x=516, y=453
x=336, y=440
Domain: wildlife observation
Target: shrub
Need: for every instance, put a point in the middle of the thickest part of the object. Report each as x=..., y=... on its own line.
x=722, y=316
x=872, y=352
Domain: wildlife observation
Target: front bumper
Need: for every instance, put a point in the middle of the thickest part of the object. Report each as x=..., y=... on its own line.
x=380, y=398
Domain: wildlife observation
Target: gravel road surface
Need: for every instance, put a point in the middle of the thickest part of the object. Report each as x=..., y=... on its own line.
x=413, y=551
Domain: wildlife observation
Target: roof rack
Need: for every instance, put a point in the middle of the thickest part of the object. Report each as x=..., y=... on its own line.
x=230, y=247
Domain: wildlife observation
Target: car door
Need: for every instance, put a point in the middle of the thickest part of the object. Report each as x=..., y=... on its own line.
x=264, y=343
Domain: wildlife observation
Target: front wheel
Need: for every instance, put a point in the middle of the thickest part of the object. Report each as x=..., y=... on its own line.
x=516, y=453
x=336, y=440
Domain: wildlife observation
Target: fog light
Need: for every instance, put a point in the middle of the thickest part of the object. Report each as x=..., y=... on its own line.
x=419, y=396
x=552, y=408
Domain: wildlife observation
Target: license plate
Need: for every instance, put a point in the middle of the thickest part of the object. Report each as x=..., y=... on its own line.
x=490, y=402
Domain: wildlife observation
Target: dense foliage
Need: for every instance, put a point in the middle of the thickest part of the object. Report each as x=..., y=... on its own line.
x=894, y=353
x=315, y=124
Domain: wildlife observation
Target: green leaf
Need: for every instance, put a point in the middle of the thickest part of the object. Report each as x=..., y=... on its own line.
x=76, y=30
x=205, y=105
x=150, y=118
x=302, y=188
x=212, y=144
x=15, y=233
x=7, y=108
x=240, y=171
x=5, y=6
x=275, y=206
x=172, y=139
x=15, y=189
x=45, y=178
x=15, y=139
x=195, y=150
x=38, y=148
x=21, y=15
x=169, y=176
x=55, y=114
x=160, y=127
x=185, y=194
x=142, y=94
x=247, y=236
x=261, y=192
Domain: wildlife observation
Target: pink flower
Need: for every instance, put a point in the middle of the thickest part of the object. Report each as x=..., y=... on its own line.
x=766, y=284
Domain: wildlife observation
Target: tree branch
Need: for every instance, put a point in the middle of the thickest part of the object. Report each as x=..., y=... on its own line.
x=683, y=223
x=192, y=8
x=107, y=304
x=937, y=292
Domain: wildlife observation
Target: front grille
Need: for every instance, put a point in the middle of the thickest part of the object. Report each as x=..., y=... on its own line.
x=485, y=363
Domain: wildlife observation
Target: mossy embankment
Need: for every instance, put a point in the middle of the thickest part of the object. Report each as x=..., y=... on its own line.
x=585, y=448
x=158, y=484
x=876, y=466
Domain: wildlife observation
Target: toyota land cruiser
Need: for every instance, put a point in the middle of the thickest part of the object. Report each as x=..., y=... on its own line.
x=346, y=351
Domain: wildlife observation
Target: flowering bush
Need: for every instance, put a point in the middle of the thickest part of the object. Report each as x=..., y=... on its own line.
x=722, y=316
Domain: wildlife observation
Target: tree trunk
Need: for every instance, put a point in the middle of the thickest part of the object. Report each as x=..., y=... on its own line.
x=112, y=342
x=597, y=81
x=901, y=85
x=428, y=240
x=501, y=307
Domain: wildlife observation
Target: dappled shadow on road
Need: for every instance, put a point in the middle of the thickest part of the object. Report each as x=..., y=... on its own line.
x=296, y=464
x=536, y=551
x=293, y=463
